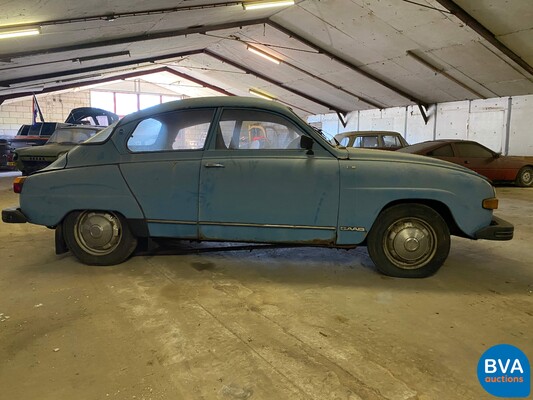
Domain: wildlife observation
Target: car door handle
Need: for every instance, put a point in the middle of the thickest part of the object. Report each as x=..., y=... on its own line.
x=214, y=165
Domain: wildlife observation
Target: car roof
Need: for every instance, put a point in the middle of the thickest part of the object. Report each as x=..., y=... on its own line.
x=430, y=144
x=214, y=101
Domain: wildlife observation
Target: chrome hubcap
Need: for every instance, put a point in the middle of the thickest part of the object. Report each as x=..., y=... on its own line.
x=98, y=233
x=526, y=177
x=410, y=243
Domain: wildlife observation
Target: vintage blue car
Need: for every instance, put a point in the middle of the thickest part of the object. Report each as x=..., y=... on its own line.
x=250, y=170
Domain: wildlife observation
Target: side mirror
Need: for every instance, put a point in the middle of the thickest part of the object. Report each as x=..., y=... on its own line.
x=307, y=143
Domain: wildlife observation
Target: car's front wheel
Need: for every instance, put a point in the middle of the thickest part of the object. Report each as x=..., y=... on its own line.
x=409, y=241
x=524, y=177
x=98, y=237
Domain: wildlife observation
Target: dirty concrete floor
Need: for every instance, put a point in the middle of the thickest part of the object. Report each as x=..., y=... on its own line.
x=297, y=323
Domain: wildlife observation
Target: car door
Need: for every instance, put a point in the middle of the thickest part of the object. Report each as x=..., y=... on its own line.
x=480, y=159
x=258, y=185
x=162, y=169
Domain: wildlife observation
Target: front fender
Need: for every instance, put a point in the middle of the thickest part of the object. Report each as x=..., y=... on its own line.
x=368, y=187
x=50, y=195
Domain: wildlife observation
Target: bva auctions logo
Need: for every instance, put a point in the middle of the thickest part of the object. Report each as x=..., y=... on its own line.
x=504, y=371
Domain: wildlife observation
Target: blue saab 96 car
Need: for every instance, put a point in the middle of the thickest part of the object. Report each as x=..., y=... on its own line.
x=250, y=170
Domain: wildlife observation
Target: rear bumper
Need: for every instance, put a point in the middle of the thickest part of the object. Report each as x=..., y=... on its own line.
x=499, y=229
x=13, y=216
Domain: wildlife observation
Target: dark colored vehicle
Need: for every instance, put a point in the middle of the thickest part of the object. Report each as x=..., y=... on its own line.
x=91, y=116
x=472, y=155
x=33, y=135
x=38, y=134
x=65, y=137
x=381, y=140
x=4, y=153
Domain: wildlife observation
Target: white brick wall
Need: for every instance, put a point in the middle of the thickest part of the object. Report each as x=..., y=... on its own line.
x=55, y=108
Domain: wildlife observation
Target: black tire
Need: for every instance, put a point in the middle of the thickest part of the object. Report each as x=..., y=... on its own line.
x=409, y=241
x=524, y=177
x=98, y=237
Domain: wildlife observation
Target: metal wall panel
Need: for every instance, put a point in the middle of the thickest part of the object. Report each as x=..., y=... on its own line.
x=452, y=120
x=521, y=127
x=485, y=121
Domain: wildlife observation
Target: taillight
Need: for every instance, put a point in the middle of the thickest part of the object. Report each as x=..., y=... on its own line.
x=17, y=184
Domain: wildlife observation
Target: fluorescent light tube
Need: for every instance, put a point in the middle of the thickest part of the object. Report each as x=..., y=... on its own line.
x=261, y=94
x=257, y=5
x=264, y=55
x=17, y=32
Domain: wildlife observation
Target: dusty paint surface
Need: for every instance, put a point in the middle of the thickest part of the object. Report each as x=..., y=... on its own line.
x=270, y=324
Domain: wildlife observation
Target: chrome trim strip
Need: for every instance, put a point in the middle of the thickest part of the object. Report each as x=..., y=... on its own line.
x=326, y=228
x=167, y=221
x=237, y=224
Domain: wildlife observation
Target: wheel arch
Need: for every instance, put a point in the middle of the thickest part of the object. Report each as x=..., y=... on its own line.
x=137, y=226
x=438, y=206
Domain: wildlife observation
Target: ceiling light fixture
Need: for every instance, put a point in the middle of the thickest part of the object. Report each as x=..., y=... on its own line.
x=261, y=94
x=257, y=5
x=12, y=32
x=263, y=54
x=101, y=56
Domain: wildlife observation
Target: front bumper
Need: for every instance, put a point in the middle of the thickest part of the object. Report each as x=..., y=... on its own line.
x=13, y=216
x=499, y=229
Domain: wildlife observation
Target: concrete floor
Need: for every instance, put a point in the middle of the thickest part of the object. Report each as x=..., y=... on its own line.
x=269, y=324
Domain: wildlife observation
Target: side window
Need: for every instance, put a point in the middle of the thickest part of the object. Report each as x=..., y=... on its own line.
x=345, y=141
x=179, y=130
x=443, y=151
x=472, y=150
x=366, y=141
x=256, y=130
x=391, y=141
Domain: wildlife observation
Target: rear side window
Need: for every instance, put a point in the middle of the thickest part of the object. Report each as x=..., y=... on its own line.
x=391, y=141
x=179, y=130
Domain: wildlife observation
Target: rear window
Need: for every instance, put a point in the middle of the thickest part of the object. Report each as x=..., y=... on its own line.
x=101, y=136
x=443, y=151
x=391, y=141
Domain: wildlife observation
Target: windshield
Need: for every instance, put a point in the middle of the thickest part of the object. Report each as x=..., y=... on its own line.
x=101, y=136
x=71, y=135
x=330, y=139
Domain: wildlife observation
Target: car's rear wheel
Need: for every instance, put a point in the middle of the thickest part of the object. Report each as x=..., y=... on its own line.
x=525, y=177
x=98, y=237
x=409, y=241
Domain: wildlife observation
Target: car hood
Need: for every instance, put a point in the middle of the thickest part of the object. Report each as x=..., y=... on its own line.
x=524, y=159
x=46, y=150
x=395, y=157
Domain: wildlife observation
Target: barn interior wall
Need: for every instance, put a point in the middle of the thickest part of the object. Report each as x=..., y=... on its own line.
x=502, y=124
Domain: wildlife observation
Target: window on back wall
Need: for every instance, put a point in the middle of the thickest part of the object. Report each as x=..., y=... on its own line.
x=103, y=100
x=126, y=103
x=149, y=100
